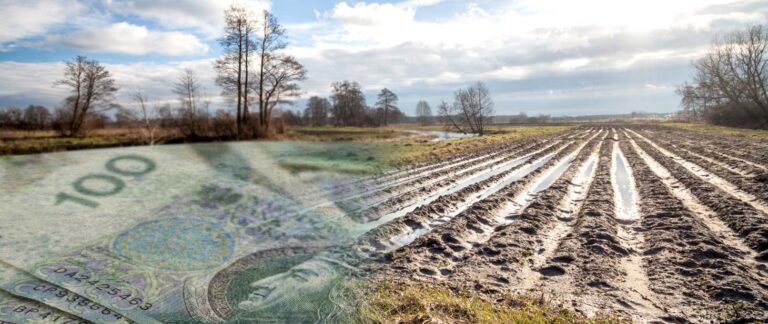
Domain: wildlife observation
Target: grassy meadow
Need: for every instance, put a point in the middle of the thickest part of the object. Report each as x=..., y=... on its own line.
x=720, y=130
x=370, y=149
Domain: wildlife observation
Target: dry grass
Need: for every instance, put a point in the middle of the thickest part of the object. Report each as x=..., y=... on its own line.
x=402, y=148
x=720, y=130
x=397, y=145
x=29, y=142
x=328, y=133
x=410, y=150
x=419, y=303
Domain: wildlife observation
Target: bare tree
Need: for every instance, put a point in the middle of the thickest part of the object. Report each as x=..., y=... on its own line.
x=273, y=80
x=387, y=101
x=520, y=118
x=271, y=39
x=148, y=116
x=224, y=124
x=291, y=118
x=280, y=84
x=36, y=117
x=91, y=86
x=349, y=106
x=424, y=113
x=731, y=81
x=233, y=67
x=11, y=117
x=472, y=109
x=189, y=92
x=446, y=116
x=316, y=113
x=277, y=73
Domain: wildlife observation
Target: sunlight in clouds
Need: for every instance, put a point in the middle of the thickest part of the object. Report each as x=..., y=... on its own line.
x=424, y=49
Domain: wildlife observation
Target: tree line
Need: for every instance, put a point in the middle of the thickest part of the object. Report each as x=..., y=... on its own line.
x=347, y=107
x=31, y=118
x=253, y=73
x=470, y=112
x=256, y=77
x=730, y=83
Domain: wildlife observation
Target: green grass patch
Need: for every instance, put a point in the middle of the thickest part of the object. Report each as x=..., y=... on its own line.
x=720, y=130
x=347, y=157
x=420, y=303
x=371, y=150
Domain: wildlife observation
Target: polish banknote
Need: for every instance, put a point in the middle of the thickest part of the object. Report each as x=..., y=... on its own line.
x=182, y=233
x=19, y=310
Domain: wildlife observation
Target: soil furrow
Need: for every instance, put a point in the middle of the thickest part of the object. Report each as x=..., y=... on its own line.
x=363, y=201
x=454, y=176
x=705, y=214
x=639, y=223
x=403, y=230
x=638, y=299
x=508, y=260
x=694, y=274
x=741, y=147
x=714, y=179
x=498, y=151
x=396, y=204
x=435, y=254
x=749, y=223
x=743, y=180
x=733, y=164
x=585, y=271
x=423, y=169
x=394, y=179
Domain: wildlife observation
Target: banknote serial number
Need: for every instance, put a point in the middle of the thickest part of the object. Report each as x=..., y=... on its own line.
x=107, y=288
x=75, y=299
x=48, y=316
x=111, y=183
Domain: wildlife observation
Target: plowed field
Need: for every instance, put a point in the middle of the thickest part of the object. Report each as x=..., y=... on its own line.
x=646, y=222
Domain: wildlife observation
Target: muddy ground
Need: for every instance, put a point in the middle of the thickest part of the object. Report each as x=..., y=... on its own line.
x=650, y=223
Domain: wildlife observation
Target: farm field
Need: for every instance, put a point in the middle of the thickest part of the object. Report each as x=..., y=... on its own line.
x=644, y=222
x=608, y=223
x=379, y=162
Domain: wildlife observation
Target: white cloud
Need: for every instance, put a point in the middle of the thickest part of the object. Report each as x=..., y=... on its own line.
x=532, y=53
x=642, y=15
x=205, y=16
x=569, y=47
x=31, y=79
x=372, y=14
x=125, y=38
x=508, y=73
x=22, y=19
x=33, y=82
x=421, y=3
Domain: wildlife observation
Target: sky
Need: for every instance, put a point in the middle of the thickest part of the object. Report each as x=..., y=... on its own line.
x=558, y=57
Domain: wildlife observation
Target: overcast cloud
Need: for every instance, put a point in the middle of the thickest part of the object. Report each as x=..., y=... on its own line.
x=554, y=56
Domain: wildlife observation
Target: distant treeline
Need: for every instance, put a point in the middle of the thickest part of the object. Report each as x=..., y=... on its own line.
x=523, y=118
x=253, y=72
x=470, y=111
x=347, y=107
